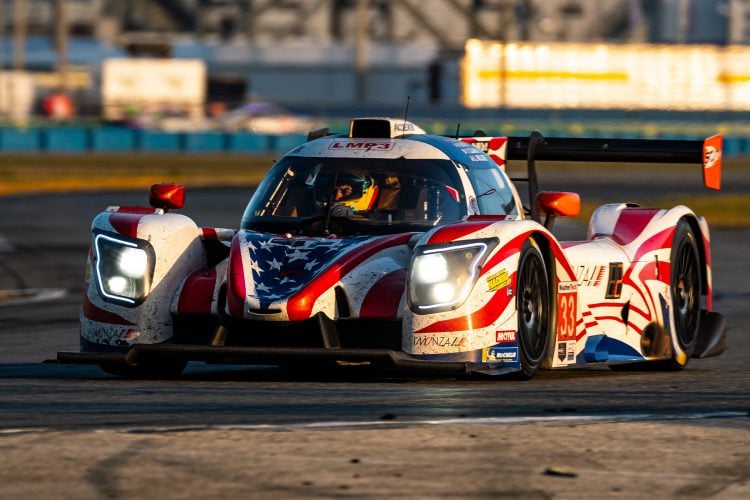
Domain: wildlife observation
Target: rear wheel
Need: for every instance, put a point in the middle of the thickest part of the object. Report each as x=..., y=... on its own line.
x=685, y=289
x=533, y=305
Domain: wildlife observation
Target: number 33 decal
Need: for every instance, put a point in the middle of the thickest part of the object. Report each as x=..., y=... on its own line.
x=567, y=306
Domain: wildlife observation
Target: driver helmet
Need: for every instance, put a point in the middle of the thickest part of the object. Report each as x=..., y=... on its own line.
x=355, y=190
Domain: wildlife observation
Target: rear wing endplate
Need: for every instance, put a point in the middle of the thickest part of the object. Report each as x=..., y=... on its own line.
x=706, y=152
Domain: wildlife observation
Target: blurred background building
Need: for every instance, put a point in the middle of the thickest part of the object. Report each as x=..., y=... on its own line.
x=325, y=57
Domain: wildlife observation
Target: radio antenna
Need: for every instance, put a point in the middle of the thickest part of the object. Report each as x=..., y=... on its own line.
x=458, y=129
x=406, y=113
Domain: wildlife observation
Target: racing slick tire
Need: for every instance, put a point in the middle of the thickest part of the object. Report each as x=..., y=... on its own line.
x=534, y=312
x=151, y=370
x=685, y=290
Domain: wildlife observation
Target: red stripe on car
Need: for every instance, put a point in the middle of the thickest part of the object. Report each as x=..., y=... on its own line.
x=94, y=313
x=659, y=241
x=456, y=231
x=300, y=305
x=383, y=298
x=236, y=291
x=209, y=233
x=478, y=319
x=197, y=292
x=631, y=223
x=126, y=223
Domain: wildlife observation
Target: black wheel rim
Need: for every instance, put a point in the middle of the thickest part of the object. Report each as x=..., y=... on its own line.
x=686, y=293
x=532, y=308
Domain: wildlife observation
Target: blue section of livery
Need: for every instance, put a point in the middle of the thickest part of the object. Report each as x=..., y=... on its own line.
x=456, y=150
x=507, y=355
x=502, y=354
x=600, y=348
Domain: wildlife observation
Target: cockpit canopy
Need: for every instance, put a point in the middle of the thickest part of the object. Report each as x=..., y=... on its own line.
x=375, y=191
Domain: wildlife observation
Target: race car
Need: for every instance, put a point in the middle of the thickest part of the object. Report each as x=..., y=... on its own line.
x=391, y=247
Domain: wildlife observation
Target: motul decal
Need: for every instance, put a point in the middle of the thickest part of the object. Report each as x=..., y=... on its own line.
x=505, y=336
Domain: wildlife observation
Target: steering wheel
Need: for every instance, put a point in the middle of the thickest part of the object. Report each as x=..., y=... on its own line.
x=316, y=226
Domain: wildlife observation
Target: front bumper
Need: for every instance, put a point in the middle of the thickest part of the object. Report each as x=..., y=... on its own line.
x=384, y=358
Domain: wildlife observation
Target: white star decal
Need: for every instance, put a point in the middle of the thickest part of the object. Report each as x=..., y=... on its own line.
x=274, y=264
x=260, y=287
x=297, y=255
x=311, y=264
x=265, y=244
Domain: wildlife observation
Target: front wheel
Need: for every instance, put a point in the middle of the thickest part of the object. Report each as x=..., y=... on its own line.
x=533, y=306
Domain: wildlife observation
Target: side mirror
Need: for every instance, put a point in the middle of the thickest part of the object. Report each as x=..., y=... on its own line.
x=167, y=196
x=555, y=204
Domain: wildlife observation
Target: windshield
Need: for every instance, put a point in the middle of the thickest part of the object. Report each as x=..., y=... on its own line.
x=493, y=194
x=365, y=192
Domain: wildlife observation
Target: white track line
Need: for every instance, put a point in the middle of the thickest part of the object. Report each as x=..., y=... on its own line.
x=5, y=246
x=29, y=295
x=341, y=425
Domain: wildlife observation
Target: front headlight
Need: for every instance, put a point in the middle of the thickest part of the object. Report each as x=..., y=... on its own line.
x=442, y=276
x=124, y=268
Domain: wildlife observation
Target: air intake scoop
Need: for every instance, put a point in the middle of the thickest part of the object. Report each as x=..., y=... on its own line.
x=382, y=128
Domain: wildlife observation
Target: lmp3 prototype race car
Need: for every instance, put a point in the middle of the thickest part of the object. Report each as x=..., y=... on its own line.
x=391, y=247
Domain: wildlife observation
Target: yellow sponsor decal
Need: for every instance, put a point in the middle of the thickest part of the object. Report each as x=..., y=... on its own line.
x=725, y=77
x=493, y=74
x=498, y=280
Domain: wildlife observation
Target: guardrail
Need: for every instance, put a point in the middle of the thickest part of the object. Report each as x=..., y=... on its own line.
x=108, y=139
x=126, y=140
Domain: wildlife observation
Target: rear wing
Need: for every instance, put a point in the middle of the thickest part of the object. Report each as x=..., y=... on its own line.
x=706, y=153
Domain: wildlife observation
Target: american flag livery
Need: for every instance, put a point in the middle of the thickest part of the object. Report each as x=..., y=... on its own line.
x=277, y=267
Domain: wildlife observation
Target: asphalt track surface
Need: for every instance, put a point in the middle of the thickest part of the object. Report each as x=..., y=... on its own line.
x=260, y=432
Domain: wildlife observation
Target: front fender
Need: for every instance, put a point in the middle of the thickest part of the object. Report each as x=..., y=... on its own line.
x=177, y=250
